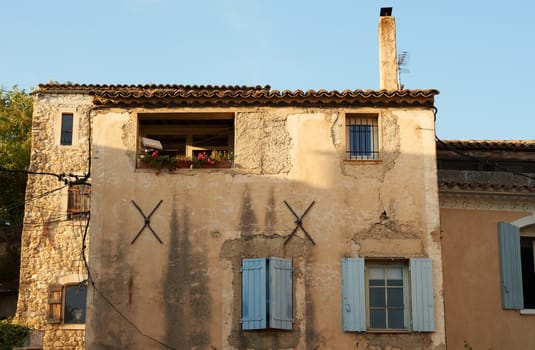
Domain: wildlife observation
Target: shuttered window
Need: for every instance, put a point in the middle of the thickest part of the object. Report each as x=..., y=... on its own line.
x=423, y=304
x=79, y=200
x=267, y=293
x=353, y=295
x=510, y=266
x=55, y=298
x=375, y=295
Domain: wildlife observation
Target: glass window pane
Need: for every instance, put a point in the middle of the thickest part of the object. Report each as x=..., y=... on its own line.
x=395, y=319
x=376, y=273
x=377, y=318
x=394, y=273
x=66, y=129
x=377, y=297
x=395, y=297
x=75, y=297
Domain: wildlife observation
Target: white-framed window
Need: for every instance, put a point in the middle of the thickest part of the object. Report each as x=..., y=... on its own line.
x=362, y=137
x=394, y=295
x=387, y=295
x=267, y=294
x=67, y=303
x=517, y=266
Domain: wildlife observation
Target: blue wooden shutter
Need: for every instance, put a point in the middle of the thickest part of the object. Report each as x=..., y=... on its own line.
x=423, y=305
x=353, y=295
x=510, y=266
x=280, y=293
x=253, y=293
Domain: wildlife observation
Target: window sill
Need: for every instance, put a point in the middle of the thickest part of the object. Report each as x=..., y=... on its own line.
x=402, y=331
x=363, y=161
x=527, y=312
x=73, y=326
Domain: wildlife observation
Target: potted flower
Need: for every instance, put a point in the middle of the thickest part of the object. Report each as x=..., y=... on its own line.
x=152, y=159
x=213, y=159
x=183, y=161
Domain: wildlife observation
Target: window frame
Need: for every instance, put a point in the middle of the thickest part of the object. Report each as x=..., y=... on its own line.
x=64, y=131
x=57, y=296
x=371, y=141
x=179, y=129
x=421, y=308
x=405, y=288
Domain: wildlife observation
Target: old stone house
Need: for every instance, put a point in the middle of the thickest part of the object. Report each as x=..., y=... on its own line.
x=487, y=208
x=323, y=234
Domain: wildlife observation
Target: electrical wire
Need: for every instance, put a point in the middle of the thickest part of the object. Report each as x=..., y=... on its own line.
x=476, y=158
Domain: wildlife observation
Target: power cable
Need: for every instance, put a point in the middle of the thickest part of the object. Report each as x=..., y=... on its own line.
x=476, y=158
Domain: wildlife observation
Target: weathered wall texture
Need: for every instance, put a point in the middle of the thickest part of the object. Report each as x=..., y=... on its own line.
x=472, y=274
x=51, y=245
x=186, y=292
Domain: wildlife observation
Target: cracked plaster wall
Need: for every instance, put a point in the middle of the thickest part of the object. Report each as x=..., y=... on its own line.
x=210, y=219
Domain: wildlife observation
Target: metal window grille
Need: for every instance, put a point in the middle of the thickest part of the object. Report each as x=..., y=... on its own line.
x=66, y=129
x=79, y=201
x=362, y=138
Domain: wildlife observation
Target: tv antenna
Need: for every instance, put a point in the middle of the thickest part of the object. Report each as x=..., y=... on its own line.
x=403, y=62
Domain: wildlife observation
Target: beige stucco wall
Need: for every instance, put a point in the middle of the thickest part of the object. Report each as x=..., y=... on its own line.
x=186, y=291
x=472, y=275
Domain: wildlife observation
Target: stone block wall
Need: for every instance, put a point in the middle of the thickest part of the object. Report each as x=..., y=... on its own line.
x=51, y=243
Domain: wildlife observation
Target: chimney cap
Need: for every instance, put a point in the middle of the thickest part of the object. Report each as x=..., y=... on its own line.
x=386, y=11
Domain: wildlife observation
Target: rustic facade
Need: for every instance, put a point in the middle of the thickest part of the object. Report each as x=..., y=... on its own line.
x=324, y=233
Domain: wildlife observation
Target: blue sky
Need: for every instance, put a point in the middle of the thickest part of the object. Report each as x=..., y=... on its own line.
x=479, y=54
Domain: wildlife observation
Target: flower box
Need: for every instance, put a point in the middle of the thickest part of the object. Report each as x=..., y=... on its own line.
x=217, y=164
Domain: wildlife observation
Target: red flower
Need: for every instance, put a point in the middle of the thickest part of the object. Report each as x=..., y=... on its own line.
x=154, y=154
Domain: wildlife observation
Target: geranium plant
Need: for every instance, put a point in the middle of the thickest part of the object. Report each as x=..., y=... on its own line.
x=156, y=160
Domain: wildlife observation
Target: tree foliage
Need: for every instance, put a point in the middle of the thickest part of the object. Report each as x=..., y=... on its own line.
x=15, y=141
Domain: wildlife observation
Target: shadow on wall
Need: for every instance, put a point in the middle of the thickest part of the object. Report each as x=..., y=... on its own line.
x=178, y=291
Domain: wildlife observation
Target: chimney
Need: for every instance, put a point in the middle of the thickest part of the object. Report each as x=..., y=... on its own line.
x=388, y=65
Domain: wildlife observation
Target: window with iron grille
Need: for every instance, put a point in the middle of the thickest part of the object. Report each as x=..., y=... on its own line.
x=66, y=129
x=78, y=201
x=362, y=137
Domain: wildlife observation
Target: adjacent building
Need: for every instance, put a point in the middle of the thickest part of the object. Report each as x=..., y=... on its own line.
x=487, y=209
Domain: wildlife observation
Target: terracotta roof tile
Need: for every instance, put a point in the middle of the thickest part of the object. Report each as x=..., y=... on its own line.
x=208, y=95
x=488, y=145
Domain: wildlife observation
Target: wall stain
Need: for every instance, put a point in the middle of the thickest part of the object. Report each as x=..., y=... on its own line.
x=261, y=246
x=271, y=219
x=248, y=222
x=188, y=302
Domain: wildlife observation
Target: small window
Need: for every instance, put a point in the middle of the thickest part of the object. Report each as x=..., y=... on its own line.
x=74, y=308
x=267, y=294
x=387, y=292
x=362, y=137
x=67, y=303
x=79, y=200
x=66, y=129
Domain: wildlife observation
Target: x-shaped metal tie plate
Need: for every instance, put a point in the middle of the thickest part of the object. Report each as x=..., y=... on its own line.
x=147, y=221
x=299, y=223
